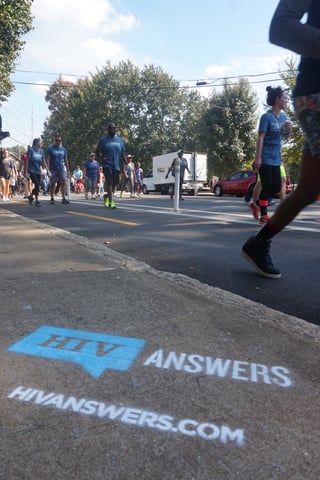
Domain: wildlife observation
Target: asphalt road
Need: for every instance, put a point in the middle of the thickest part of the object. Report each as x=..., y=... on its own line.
x=201, y=240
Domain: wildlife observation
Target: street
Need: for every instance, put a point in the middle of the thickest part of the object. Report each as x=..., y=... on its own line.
x=113, y=370
x=202, y=240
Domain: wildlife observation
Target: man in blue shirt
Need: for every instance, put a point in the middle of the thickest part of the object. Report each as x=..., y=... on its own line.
x=58, y=167
x=111, y=151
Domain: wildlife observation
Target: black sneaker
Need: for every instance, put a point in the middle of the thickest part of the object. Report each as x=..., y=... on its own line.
x=38, y=204
x=65, y=201
x=257, y=252
x=30, y=198
x=52, y=202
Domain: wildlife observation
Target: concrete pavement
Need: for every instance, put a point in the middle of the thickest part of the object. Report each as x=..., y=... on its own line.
x=113, y=370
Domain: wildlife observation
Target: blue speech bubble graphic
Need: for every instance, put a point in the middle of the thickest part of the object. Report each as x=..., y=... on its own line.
x=96, y=352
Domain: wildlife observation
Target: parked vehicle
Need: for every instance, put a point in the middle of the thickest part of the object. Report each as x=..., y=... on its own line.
x=155, y=180
x=239, y=183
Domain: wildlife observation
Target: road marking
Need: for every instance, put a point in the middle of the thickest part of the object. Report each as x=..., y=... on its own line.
x=297, y=224
x=105, y=219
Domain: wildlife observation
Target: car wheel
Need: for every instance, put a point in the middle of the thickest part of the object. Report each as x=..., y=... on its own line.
x=218, y=191
x=145, y=191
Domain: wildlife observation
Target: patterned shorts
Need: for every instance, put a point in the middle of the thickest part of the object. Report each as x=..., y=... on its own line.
x=58, y=174
x=307, y=110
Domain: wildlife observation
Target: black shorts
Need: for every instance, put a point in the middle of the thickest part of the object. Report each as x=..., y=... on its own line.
x=111, y=176
x=4, y=174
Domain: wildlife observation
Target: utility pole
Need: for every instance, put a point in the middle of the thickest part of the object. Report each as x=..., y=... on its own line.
x=31, y=122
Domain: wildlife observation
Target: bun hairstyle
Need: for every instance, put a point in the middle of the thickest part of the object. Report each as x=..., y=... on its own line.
x=273, y=94
x=35, y=141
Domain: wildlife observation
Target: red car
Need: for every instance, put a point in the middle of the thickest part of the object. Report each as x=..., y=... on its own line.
x=239, y=183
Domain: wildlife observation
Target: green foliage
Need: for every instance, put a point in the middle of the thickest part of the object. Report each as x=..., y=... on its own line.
x=291, y=153
x=15, y=21
x=153, y=115
x=229, y=128
x=58, y=97
x=17, y=150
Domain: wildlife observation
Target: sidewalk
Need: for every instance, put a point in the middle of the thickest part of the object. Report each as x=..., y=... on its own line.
x=113, y=370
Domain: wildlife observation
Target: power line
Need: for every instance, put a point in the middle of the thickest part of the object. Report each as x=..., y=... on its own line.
x=52, y=73
x=198, y=84
x=249, y=75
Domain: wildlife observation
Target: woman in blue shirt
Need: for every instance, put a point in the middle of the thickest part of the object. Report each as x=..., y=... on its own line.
x=91, y=171
x=274, y=127
x=35, y=160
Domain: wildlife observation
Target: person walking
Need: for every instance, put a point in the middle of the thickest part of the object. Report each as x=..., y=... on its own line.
x=128, y=177
x=139, y=178
x=111, y=150
x=44, y=182
x=274, y=127
x=77, y=177
x=287, y=30
x=27, y=183
x=100, y=183
x=6, y=170
x=57, y=163
x=254, y=202
x=13, y=182
x=35, y=160
x=91, y=171
x=183, y=167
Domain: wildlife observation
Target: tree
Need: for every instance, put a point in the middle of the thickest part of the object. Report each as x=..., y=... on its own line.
x=230, y=128
x=291, y=153
x=152, y=113
x=58, y=97
x=15, y=21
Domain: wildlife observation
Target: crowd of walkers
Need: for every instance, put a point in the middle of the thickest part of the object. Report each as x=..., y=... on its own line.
x=47, y=173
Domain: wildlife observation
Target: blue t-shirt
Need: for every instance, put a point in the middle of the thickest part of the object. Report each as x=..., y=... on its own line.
x=111, y=148
x=56, y=156
x=139, y=173
x=272, y=126
x=35, y=160
x=92, y=168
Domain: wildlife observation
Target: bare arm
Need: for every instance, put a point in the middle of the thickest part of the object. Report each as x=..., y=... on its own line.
x=286, y=29
x=258, y=161
x=124, y=157
x=66, y=161
x=46, y=162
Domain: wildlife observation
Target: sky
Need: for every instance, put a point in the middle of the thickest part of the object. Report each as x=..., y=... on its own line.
x=191, y=41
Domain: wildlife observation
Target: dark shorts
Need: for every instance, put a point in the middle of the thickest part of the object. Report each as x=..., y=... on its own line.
x=307, y=110
x=111, y=176
x=4, y=171
x=58, y=174
x=5, y=175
